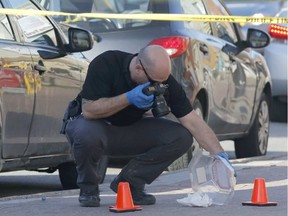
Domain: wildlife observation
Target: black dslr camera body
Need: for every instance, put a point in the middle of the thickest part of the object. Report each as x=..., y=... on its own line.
x=159, y=107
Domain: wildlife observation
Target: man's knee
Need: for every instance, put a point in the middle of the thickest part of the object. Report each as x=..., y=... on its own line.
x=88, y=135
x=176, y=140
x=185, y=138
x=186, y=135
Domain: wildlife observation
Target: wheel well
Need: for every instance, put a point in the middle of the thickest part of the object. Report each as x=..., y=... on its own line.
x=202, y=97
x=268, y=92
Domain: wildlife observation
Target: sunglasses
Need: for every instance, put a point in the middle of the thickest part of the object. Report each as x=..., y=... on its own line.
x=148, y=77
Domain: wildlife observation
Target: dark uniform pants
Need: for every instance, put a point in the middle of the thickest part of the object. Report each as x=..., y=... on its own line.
x=155, y=143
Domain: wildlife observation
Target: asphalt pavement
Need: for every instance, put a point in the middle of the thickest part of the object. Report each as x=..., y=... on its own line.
x=168, y=188
x=176, y=185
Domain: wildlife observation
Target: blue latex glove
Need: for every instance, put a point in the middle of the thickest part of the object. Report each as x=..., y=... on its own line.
x=225, y=156
x=138, y=98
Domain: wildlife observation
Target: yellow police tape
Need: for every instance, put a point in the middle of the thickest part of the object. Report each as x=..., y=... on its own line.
x=147, y=16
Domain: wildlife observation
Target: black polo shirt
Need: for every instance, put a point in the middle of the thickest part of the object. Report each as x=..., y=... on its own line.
x=108, y=76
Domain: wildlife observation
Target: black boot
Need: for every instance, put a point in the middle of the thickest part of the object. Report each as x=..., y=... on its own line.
x=138, y=194
x=89, y=198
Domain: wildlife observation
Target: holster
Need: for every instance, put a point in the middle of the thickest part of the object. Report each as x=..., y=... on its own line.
x=73, y=109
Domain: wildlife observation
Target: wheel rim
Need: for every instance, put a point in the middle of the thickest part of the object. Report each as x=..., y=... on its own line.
x=263, y=121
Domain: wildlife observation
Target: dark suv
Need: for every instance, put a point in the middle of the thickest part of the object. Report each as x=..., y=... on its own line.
x=40, y=71
x=227, y=82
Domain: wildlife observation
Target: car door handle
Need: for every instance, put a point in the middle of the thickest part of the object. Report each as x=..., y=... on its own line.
x=204, y=49
x=40, y=68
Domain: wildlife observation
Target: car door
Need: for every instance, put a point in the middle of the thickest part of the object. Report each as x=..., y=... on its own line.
x=57, y=80
x=239, y=100
x=208, y=68
x=16, y=98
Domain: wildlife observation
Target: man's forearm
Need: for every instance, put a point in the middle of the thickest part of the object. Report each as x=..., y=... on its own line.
x=201, y=132
x=103, y=107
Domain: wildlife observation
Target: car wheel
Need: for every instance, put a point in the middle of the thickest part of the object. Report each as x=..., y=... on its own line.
x=68, y=173
x=184, y=160
x=256, y=143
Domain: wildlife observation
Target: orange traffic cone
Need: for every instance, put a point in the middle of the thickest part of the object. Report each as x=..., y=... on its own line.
x=124, y=201
x=259, y=195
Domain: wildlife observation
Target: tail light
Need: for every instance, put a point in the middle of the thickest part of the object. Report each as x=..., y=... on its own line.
x=175, y=46
x=278, y=31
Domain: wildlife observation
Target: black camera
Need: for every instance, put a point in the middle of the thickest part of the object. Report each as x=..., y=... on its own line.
x=159, y=107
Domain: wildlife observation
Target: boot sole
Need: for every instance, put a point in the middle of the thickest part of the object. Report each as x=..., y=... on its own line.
x=89, y=204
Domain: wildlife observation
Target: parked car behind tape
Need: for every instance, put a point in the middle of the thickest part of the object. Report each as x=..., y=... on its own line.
x=40, y=71
x=227, y=82
x=276, y=55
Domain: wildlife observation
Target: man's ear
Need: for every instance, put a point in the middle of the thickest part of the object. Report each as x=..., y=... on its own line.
x=138, y=68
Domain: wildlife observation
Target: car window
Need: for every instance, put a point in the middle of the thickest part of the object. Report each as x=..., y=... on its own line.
x=130, y=7
x=224, y=30
x=195, y=7
x=36, y=29
x=46, y=4
x=283, y=13
x=5, y=28
x=255, y=8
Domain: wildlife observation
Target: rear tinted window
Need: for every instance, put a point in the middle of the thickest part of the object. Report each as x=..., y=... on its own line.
x=101, y=6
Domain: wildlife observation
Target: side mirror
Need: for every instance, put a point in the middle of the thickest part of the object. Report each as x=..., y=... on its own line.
x=257, y=38
x=79, y=40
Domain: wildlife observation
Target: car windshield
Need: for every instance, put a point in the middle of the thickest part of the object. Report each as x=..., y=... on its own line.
x=283, y=13
x=250, y=8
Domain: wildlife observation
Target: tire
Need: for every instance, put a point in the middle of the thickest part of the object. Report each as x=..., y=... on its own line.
x=183, y=161
x=256, y=143
x=68, y=173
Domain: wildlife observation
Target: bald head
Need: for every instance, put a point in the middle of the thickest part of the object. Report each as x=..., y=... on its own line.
x=156, y=62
